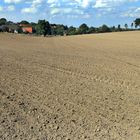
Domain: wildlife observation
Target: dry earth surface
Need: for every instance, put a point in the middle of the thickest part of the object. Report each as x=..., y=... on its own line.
x=70, y=88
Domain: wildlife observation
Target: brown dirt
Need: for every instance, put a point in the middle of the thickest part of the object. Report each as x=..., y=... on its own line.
x=70, y=88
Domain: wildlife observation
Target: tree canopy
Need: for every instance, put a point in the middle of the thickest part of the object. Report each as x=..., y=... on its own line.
x=137, y=22
x=24, y=22
x=43, y=27
x=126, y=26
x=83, y=29
x=3, y=21
x=91, y=30
x=71, y=30
x=104, y=28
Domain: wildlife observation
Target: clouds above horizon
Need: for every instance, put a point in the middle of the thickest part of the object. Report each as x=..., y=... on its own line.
x=73, y=8
x=12, y=1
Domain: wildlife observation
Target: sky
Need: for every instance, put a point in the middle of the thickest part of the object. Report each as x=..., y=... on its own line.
x=72, y=12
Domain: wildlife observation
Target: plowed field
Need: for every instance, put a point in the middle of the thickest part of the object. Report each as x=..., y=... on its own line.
x=70, y=88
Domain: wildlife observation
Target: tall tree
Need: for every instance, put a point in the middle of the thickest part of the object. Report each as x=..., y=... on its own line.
x=33, y=26
x=83, y=29
x=132, y=24
x=48, y=28
x=119, y=27
x=113, y=29
x=43, y=28
x=126, y=26
x=137, y=22
x=3, y=21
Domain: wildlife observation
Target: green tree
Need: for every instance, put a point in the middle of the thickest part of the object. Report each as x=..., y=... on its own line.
x=126, y=26
x=137, y=22
x=91, y=30
x=119, y=28
x=113, y=29
x=59, y=29
x=43, y=28
x=71, y=30
x=83, y=29
x=33, y=26
x=24, y=22
x=48, y=28
x=132, y=24
x=9, y=23
x=104, y=28
x=3, y=21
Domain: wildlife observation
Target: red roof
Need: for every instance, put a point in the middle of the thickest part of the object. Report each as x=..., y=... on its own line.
x=27, y=29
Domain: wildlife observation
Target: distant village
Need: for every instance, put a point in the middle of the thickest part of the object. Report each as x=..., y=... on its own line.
x=11, y=27
x=44, y=28
x=16, y=28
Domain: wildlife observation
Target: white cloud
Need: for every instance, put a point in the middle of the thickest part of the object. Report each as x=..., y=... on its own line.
x=72, y=8
x=7, y=8
x=12, y=1
x=55, y=11
x=100, y=4
x=52, y=1
x=110, y=3
x=1, y=8
x=85, y=3
x=29, y=10
x=82, y=7
x=11, y=8
x=80, y=3
x=35, y=4
x=132, y=12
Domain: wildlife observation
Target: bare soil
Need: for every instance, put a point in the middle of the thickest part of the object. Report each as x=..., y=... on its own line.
x=70, y=88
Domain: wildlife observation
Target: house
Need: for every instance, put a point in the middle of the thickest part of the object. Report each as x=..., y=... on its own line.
x=12, y=28
x=3, y=28
x=26, y=28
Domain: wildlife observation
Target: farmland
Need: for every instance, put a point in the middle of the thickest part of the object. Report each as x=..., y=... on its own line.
x=84, y=87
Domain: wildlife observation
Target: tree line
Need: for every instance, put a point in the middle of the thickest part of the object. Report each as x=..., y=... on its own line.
x=43, y=27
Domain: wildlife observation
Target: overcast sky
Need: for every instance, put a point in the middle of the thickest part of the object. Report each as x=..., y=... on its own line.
x=72, y=12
